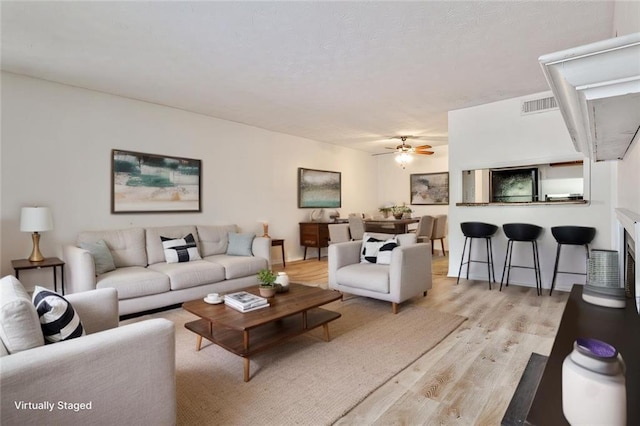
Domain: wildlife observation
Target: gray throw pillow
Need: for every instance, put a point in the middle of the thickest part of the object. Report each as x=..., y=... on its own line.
x=240, y=244
x=101, y=254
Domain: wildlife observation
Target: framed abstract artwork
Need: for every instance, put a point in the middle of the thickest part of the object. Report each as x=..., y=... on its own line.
x=319, y=189
x=429, y=188
x=150, y=183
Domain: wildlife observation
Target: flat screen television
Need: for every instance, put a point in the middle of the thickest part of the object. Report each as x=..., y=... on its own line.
x=514, y=185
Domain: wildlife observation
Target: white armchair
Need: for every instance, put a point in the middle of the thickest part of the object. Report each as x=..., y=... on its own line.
x=407, y=275
x=113, y=375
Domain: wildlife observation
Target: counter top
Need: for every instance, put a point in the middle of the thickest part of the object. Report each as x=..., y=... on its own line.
x=526, y=203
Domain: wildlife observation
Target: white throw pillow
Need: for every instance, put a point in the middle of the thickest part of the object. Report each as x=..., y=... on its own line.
x=178, y=250
x=19, y=325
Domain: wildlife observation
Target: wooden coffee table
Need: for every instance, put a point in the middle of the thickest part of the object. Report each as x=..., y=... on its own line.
x=245, y=334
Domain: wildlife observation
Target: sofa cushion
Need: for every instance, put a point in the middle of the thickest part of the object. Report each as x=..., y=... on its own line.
x=134, y=281
x=367, y=276
x=238, y=266
x=240, y=244
x=102, y=258
x=214, y=239
x=191, y=274
x=155, y=251
x=127, y=246
x=19, y=324
x=178, y=250
x=58, y=319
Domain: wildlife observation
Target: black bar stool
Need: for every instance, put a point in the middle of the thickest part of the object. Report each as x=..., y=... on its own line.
x=574, y=236
x=522, y=232
x=473, y=230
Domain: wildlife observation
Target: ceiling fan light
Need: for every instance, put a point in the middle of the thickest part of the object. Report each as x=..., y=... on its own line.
x=403, y=159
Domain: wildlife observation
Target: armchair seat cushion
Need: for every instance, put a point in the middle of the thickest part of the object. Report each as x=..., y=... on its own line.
x=190, y=274
x=372, y=277
x=134, y=281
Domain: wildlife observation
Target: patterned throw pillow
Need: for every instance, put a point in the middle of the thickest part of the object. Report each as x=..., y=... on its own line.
x=180, y=249
x=370, y=248
x=58, y=319
x=384, y=253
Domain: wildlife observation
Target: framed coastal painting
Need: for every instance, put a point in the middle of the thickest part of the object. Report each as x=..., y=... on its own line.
x=429, y=188
x=319, y=189
x=151, y=183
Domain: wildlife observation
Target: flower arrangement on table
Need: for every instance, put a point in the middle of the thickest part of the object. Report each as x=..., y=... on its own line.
x=397, y=210
x=267, y=279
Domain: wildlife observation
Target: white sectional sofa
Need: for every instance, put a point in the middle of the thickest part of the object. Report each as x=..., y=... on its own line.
x=143, y=278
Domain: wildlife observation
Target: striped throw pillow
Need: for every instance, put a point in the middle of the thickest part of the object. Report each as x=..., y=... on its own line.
x=180, y=249
x=58, y=319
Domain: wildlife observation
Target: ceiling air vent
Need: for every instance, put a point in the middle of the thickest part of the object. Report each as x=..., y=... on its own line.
x=539, y=105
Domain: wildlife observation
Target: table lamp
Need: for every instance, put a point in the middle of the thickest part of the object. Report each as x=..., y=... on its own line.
x=36, y=219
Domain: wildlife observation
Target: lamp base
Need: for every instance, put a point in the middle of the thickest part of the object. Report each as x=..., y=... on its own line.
x=36, y=256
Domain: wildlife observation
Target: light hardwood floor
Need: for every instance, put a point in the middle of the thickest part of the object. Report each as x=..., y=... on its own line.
x=469, y=378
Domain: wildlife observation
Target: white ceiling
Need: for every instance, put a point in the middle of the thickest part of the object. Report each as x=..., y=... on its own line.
x=348, y=73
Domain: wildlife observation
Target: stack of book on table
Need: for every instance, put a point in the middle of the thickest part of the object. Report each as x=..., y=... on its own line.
x=245, y=302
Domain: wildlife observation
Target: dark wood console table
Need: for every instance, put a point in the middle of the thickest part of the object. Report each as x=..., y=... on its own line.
x=618, y=327
x=314, y=234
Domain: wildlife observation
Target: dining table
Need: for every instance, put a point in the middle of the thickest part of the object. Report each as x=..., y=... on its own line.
x=389, y=226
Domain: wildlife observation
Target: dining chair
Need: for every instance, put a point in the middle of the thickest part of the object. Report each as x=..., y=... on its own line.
x=339, y=233
x=439, y=231
x=425, y=229
x=356, y=227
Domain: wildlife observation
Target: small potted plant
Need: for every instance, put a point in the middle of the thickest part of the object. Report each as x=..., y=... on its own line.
x=385, y=211
x=267, y=278
x=399, y=211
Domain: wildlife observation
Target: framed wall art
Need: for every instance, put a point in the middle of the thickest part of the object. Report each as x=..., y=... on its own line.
x=319, y=189
x=150, y=183
x=429, y=188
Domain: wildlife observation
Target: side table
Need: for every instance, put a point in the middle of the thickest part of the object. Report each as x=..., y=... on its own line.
x=49, y=262
x=279, y=242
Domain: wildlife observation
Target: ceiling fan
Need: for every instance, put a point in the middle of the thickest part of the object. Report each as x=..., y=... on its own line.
x=405, y=148
x=404, y=152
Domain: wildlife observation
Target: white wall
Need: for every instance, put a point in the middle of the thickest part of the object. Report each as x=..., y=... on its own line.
x=56, y=151
x=626, y=20
x=494, y=135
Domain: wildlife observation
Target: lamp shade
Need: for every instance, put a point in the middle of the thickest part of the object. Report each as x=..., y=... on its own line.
x=36, y=219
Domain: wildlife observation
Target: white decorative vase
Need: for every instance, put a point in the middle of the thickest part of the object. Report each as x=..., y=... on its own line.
x=282, y=281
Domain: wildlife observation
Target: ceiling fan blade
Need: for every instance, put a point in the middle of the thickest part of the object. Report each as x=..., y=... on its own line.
x=382, y=153
x=424, y=152
x=423, y=147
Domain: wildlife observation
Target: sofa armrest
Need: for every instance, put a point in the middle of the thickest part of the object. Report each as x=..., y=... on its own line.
x=97, y=309
x=126, y=374
x=410, y=270
x=262, y=248
x=340, y=255
x=81, y=271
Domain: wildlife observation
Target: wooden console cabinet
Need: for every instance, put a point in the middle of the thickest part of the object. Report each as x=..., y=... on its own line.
x=314, y=234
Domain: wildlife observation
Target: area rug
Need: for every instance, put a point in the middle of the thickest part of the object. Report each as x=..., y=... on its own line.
x=306, y=380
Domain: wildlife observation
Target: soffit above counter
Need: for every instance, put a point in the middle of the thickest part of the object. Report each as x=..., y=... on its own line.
x=597, y=88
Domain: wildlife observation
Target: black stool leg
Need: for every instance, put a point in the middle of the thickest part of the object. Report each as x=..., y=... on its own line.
x=486, y=240
x=536, y=267
x=462, y=259
x=506, y=258
x=469, y=256
x=491, y=257
x=555, y=269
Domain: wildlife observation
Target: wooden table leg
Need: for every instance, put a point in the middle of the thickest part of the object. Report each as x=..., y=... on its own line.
x=198, y=342
x=245, y=338
x=246, y=369
x=325, y=327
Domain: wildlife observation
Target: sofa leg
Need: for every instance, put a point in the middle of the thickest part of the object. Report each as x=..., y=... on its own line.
x=394, y=307
x=424, y=293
